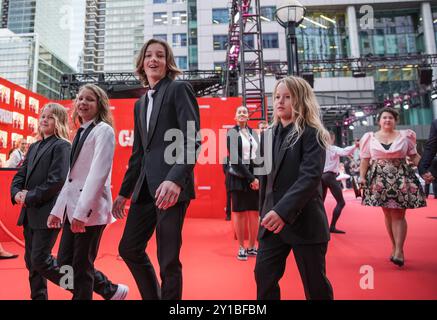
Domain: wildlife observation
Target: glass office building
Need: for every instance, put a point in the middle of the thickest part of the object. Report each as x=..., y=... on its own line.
x=47, y=18
x=124, y=34
x=27, y=62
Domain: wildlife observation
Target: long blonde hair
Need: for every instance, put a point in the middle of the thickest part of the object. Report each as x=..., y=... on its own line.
x=60, y=115
x=103, y=112
x=306, y=110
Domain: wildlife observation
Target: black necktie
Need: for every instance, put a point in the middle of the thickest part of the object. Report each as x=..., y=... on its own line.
x=75, y=143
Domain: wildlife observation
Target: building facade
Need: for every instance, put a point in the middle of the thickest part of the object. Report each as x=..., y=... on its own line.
x=168, y=20
x=25, y=61
x=94, y=43
x=382, y=29
x=50, y=19
x=124, y=34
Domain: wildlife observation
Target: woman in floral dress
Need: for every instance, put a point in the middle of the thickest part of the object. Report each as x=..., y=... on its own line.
x=386, y=178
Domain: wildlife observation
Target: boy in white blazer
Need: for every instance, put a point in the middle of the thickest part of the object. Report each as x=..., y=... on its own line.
x=85, y=198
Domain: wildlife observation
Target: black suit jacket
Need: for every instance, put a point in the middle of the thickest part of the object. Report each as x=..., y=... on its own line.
x=235, y=159
x=43, y=176
x=293, y=189
x=430, y=152
x=174, y=107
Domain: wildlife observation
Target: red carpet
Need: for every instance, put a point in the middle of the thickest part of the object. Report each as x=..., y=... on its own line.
x=211, y=270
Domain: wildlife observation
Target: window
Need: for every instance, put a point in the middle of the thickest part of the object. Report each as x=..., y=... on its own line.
x=179, y=40
x=181, y=62
x=179, y=17
x=220, y=42
x=249, y=41
x=179, y=1
x=270, y=41
x=159, y=1
x=160, y=18
x=268, y=13
x=220, y=16
x=160, y=36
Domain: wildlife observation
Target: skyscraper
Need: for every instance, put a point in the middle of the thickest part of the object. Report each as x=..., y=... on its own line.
x=94, y=53
x=25, y=61
x=50, y=19
x=124, y=34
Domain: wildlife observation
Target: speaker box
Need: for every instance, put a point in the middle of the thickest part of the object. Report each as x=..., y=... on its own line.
x=425, y=76
x=309, y=77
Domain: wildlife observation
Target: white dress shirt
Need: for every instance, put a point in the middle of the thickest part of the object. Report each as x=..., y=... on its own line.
x=149, y=107
x=333, y=154
x=15, y=159
x=247, y=141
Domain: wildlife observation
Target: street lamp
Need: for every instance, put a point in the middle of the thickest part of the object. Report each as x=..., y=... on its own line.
x=290, y=15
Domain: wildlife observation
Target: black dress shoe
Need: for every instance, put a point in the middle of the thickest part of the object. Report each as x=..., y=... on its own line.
x=398, y=262
x=335, y=230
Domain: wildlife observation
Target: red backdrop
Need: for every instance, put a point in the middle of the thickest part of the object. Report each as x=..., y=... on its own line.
x=217, y=115
x=19, y=109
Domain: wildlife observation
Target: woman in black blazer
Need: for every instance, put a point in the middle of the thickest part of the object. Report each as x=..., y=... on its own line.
x=242, y=144
x=291, y=205
x=36, y=186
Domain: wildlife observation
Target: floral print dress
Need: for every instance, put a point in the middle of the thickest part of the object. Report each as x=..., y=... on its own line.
x=390, y=181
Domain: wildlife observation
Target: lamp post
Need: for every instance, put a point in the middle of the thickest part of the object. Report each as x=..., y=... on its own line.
x=290, y=15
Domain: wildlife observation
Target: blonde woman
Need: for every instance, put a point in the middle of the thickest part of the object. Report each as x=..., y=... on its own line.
x=36, y=186
x=85, y=199
x=291, y=203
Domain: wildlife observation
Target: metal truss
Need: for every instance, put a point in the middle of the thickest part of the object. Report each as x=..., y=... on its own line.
x=203, y=82
x=244, y=58
x=358, y=65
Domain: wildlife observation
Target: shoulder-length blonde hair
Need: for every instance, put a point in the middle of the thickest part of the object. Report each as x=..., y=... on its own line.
x=172, y=69
x=103, y=112
x=60, y=114
x=306, y=110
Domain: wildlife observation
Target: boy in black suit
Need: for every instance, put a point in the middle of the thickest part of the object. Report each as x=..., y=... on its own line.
x=161, y=188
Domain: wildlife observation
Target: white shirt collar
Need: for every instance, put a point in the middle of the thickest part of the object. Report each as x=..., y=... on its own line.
x=87, y=124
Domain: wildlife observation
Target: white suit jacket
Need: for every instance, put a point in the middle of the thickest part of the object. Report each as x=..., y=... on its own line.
x=86, y=194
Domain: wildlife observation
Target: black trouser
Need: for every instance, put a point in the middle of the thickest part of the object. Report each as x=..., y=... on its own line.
x=271, y=262
x=38, y=257
x=78, y=250
x=143, y=218
x=434, y=188
x=329, y=181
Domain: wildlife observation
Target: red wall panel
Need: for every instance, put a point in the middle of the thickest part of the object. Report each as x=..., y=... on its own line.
x=217, y=115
